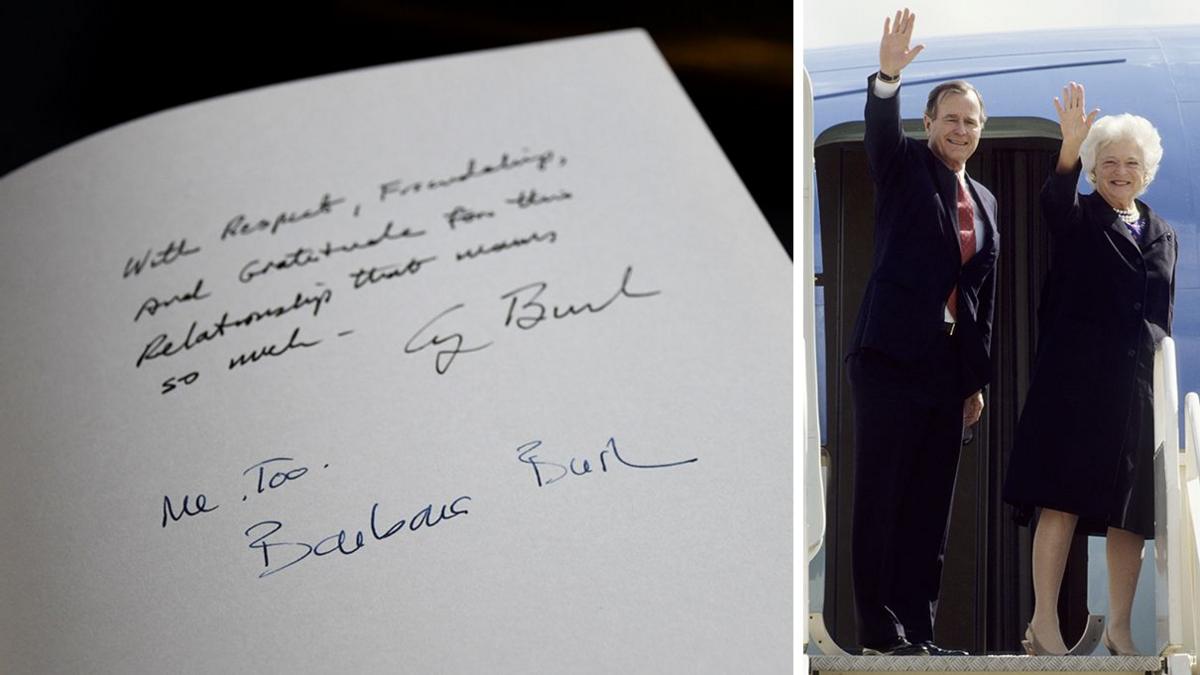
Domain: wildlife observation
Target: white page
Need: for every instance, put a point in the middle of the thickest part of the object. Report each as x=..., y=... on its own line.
x=679, y=358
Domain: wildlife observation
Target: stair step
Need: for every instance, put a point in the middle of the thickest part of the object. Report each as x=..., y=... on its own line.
x=831, y=665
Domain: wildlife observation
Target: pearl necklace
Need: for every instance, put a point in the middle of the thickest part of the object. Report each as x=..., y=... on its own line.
x=1130, y=216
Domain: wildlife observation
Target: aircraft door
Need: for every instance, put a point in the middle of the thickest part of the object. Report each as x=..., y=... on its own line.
x=986, y=588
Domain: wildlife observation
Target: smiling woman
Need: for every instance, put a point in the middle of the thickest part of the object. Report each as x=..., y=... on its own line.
x=1120, y=157
x=1121, y=174
x=1085, y=441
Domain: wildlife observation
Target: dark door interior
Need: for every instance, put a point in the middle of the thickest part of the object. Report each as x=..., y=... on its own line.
x=986, y=588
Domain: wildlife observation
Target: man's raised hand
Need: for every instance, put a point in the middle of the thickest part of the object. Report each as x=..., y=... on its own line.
x=894, y=52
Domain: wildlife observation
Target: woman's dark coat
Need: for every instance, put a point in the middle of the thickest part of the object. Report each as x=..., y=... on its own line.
x=1107, y=302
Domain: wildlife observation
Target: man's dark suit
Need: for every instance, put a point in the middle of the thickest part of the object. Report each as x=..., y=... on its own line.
x=909, y=377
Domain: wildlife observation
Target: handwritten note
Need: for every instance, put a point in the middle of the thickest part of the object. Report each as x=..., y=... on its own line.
x=474, y=364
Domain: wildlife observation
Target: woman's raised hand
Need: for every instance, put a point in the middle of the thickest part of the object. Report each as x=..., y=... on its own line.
x=1071, y=118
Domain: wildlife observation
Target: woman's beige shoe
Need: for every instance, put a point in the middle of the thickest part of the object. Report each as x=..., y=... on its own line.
x=1112, y=648
x=1035, y=648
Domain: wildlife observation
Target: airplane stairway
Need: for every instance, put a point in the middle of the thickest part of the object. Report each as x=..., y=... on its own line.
x=1176, y=559
x=864, y=665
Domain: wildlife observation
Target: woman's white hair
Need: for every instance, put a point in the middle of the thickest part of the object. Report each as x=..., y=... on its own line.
x=1119, y=128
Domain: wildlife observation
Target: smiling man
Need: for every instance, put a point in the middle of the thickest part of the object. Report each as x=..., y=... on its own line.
x=920, y=352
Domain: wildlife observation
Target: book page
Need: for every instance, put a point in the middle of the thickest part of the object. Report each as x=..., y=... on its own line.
x=473, y=364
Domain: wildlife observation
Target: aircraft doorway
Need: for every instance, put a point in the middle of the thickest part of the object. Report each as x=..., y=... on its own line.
x=986, y=588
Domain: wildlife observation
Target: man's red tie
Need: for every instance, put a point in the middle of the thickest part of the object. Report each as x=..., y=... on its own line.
x=966, y=240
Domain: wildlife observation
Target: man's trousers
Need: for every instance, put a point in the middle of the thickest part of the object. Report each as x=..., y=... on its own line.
x=907, y=437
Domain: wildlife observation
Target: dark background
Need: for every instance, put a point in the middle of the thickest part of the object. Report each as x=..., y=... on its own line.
x=75, y=68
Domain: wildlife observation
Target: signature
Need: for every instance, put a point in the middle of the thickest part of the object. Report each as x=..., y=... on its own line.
x=526, y=310
x=444, y=357
x=546, y=472
x=534, y=312
x=280, y=555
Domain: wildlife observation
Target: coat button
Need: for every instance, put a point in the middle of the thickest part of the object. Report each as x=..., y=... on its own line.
x=1137, y=305
x=1131, y=352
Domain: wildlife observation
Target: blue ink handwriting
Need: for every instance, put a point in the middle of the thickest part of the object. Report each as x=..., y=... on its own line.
x=546, y=472
x=341, y=542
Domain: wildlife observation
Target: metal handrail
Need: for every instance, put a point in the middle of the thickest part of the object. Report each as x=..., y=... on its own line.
x=808, y=463
x=814, y=493
x=1177, y=511
x=1190, y=490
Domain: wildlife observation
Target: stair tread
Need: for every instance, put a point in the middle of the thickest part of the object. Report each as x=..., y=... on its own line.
x=987, y=663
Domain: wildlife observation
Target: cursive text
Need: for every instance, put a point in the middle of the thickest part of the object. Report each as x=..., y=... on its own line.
x=546, y=472
x=531, y=312
x=308, y=255
x=153, y=304
x=444, y=357
x=165, y=256
x=240, y=226
x=280, y=555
